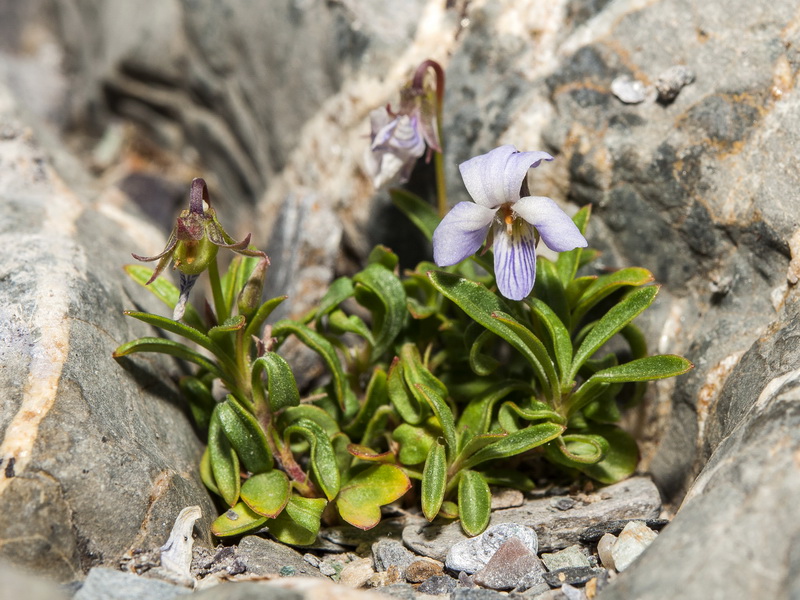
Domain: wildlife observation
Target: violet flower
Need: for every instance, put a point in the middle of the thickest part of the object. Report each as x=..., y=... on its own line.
x=496, y=181
x=399, y=139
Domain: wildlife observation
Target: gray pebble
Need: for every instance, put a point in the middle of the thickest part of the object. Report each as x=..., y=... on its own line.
x=572, y=556
x=476, y=594
x=103, y=584
x=472, y=554
x=672, y=81
x=628, y=90
x=512, y=562
x=437, y=585
x=572, y=576
x=387, y=553
x=632, y=541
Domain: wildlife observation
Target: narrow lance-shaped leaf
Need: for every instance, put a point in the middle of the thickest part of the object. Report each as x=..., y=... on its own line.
x=323, y=458
x=163, y=346
x=262, y=314
x=445, y=416
x=559, y=337
x=245, y=435
x=322, y=347
x=224, y=462
x=407, y=405
x=389, y=312
x=434, y=481
x=604, y=285
x=419, y=212
x=474, y=502
x=568, y=262
x=612, y=322
x=281, y=385
x=516, y=443
x=339, y=290
x=481, y=304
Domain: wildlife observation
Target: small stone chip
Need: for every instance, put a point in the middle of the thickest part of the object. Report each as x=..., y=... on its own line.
x=632, y=541
x=628, y=90
x=509, y=565
x=672, y=81
x=420, y=570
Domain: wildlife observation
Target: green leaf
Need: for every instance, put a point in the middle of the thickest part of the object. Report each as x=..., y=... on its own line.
x=645, y=369
x=416, y=442
x=445, y=417
x=611, y=323
x=163, y=346
x=323, y=458
x=568, y=262
x=559, y=337
x=604, y=285
x=516, y=443
x=313, y=413
x=281, y=385
x=267, y=493
x=181, y=329
x=321, y=346
x=474, y=502
x=339, y=290
x=224, y=462
x=482, y=305
x=509, y=478
x=537, y=411
x=368, y=454
x=220, y=333
x=201, y=401
x=341, y=323
x=245, y=435
x=549, y=288
x=419, y=212
x=165, y=291
x=206, y=474
x=537, y=351
x=381, y=255
x=434, y=481
x=298, y=524
x=621, y=458
x=577, y=450
x=361, y=497
x=262, y=314
x=476, y=418
x=480, y=363
x=236, y=521
x=389, y=312
x=376, y=426
x=377, y=395
x=410, y=409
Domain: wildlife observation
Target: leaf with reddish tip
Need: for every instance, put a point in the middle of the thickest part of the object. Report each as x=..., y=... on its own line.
x=237, y=520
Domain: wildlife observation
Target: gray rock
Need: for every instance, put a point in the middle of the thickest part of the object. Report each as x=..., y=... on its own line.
x=97, y=457
x=594, y=533
x=507, y=568
x=572, y=593
x=109, y=584
x=604, y=547
x=20, y=583
x=437, y=585
x=387, y=553
x=572, y=575
x=402, y=591
x=572, y=556
x=635, y=498
x=671, y=81
x=472, y=554
x=262, y=556
x=246, y=590
x=475, y=594
x=633, y=540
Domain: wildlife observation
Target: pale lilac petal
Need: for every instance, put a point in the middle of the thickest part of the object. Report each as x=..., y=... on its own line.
x=483, y=176
x=495, y=178
x=461, y=233
x=556, y=228
x=515, y=261
x=516, y=169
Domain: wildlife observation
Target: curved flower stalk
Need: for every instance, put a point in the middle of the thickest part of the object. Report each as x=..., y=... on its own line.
x=513, y=223
x=399, y=139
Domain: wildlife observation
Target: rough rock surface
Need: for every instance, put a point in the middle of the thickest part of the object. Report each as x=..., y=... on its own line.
x=97, y=457
x=701, y=188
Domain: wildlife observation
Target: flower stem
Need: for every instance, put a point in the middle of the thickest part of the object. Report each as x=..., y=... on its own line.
x=220, y=306
x=441, y=189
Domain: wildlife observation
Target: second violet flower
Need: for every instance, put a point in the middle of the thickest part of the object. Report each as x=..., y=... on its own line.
x=512, y=222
